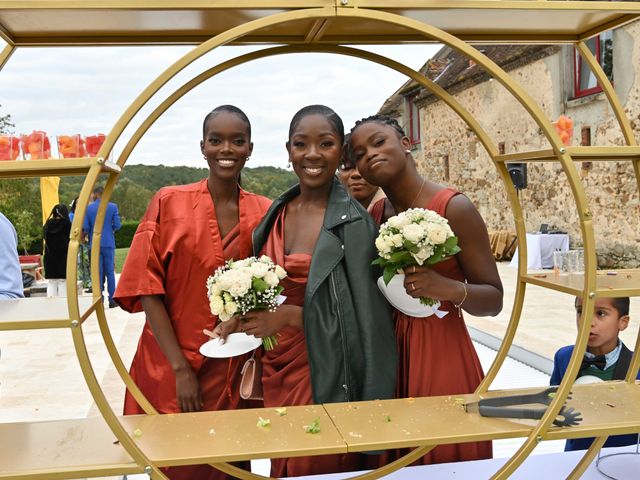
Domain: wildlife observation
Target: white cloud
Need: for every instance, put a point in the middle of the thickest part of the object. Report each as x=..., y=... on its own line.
x=85, y=90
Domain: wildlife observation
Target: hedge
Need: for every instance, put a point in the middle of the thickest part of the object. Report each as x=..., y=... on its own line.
x=124, y=236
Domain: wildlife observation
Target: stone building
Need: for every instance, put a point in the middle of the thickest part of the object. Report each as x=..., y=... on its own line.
x=448, y=152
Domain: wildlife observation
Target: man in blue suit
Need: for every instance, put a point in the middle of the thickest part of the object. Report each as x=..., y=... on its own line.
x=107, y=243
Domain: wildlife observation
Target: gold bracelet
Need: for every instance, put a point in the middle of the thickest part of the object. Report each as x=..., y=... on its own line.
x=464, y=285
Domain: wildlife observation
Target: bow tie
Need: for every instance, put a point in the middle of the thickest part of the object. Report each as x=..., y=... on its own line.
x=598, y=361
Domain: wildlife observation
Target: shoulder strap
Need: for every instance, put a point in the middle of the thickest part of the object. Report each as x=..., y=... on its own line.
x=377, y=210
x=440, y=200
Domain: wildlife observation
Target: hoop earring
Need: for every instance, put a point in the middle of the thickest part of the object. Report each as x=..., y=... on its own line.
x=247, y=159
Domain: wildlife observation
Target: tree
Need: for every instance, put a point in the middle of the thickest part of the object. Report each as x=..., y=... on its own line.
x=23, y=222
x=6, y=125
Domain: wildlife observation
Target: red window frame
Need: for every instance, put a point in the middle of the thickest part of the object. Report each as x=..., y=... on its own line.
x=414, y=119
x=579, y=71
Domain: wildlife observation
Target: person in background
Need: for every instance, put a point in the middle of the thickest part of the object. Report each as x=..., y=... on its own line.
x=56, y=244
x=436, y=354
x=84, y=269
x=10, y=271
x=107, y=243
x=606, y=358
x=359, y=189
x=187, y=232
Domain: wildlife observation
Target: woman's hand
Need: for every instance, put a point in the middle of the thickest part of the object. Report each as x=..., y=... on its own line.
x=423, y=281
x=263, y=323
x=224, y=329
x=188, y=393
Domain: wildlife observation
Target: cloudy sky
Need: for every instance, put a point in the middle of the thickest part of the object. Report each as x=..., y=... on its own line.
x=84, y=90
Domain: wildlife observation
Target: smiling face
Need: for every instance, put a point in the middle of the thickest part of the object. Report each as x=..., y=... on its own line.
x=314, y=151
x=226, y=145
x=606, y=324
x=379, y=152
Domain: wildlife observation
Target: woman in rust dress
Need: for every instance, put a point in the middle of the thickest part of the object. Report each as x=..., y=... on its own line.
x=335, y=333
x=436, y=355
x=186, y=233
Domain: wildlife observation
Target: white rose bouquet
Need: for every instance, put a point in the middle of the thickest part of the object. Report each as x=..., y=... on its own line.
x=245, y=285
x=414, y=237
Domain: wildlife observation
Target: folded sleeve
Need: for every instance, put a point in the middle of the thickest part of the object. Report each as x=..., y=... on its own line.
x=144, y=269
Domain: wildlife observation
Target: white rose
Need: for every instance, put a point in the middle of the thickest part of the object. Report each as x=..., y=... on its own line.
x=280, y=272
x=224, y=316
x=240, y=287
x=259, y=269
x=398, y=221
x=216, y=304
x=422, y=255
x=381, y=245
x=271, y=279
x=231, y=308
x=437, y=234
x=265, y=259
x=215, y=289
x=397, y=240
x=413, y=232
x=388, y=241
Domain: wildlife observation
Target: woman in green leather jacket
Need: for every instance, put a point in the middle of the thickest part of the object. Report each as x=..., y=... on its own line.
x=335, y=334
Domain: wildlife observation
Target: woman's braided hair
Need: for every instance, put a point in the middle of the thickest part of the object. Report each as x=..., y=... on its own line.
x=382, y=119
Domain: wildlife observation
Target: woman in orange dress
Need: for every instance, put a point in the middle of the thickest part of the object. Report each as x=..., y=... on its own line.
x=335, y=334
x=186, y=233
x=436, y=354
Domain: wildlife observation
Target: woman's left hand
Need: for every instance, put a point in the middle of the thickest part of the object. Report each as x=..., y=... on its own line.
x=423, y=281
x=262, y=323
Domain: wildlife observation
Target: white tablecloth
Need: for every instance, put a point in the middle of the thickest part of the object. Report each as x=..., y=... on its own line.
x=540, y=248
x=550, y=466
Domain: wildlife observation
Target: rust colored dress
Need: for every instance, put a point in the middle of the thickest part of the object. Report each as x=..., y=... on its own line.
x=176, y=247
x=286, y=379
x=436, y=355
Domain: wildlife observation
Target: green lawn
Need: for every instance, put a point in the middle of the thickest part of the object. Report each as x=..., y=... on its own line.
x=121, y=254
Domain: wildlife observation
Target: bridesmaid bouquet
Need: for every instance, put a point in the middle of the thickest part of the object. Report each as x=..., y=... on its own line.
x=245, y=285
x=414, y=237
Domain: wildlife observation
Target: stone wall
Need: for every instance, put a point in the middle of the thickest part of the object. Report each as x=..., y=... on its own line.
x=450, y=152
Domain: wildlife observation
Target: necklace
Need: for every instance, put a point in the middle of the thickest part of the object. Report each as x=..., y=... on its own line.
x=418, y=195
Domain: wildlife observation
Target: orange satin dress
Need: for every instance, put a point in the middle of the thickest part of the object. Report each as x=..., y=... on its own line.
x=436, y=355
x=176, y=247
x=286, y=378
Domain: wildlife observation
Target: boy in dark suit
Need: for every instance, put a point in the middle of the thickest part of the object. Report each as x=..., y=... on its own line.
x=606, y=356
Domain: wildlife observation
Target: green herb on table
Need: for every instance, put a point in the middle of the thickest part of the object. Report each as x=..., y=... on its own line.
x=314, y=427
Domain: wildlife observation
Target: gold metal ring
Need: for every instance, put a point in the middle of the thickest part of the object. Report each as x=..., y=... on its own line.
x=413, y=287
x=414, y=269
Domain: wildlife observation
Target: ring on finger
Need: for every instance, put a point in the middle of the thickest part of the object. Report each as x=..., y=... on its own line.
x=414, y=269
x=413, y=287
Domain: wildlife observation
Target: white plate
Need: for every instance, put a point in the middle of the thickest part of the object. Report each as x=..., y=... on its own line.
x=236, y=344
x=586, y=379
x=399, y=298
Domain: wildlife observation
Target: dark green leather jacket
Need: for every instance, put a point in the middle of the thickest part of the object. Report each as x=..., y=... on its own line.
x=347, y=322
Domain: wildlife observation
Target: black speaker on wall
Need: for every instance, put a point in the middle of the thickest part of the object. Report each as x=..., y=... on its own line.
x=518, y=173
